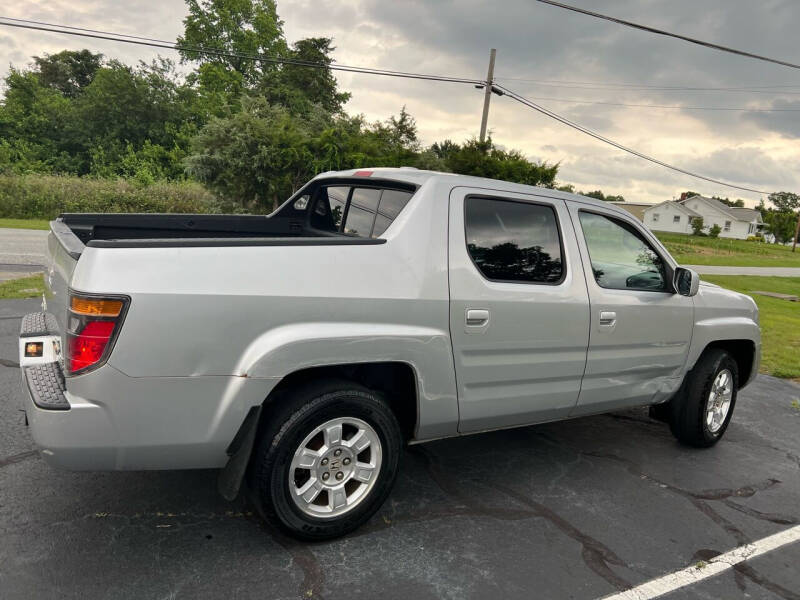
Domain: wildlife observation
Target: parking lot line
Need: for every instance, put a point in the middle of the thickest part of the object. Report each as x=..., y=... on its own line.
x=704, y=570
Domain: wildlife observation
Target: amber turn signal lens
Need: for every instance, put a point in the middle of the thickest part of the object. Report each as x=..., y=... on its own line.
x=33, y=349
x=96, y=307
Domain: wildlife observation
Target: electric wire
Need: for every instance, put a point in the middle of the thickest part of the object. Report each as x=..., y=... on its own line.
x=553, y=115
x=678, y=36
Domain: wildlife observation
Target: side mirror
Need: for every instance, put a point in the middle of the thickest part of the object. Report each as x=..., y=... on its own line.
x=686, y=281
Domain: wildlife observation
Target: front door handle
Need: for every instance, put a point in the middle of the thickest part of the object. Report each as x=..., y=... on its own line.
x=477, y=317
x=608, y=318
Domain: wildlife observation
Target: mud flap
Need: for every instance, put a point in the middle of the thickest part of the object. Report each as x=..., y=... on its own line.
x=230, y=478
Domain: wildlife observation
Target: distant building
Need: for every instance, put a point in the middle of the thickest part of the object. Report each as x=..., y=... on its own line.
x=677, y=216
x=637, y=210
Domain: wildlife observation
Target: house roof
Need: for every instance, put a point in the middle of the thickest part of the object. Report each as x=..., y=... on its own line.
x=740, y=214
x=685, y=209
x=746, y=214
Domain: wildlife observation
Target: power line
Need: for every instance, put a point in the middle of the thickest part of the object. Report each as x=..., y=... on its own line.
x=588, y=85
x=104, y=35
x=530, y=104
x=669, y=106
x=685, y=38
x=614, y=85
x=139, y=41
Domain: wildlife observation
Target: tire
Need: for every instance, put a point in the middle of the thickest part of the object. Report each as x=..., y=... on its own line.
x=689, y=416
x=298, y=448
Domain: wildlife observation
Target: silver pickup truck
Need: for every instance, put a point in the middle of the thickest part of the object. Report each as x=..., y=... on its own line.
x=300, y=351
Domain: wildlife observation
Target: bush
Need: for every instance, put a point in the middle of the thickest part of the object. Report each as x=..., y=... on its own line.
x=47, y=196
x=714, y=231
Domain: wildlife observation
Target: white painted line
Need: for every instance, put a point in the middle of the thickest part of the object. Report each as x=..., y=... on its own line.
x=715, y=566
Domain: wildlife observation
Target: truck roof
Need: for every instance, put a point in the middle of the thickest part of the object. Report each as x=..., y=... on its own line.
x=419, y=177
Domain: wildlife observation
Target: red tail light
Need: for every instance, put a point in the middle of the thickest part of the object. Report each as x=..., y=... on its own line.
x=93, y=323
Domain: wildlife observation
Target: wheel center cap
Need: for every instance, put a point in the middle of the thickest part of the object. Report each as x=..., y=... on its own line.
x=336, y=466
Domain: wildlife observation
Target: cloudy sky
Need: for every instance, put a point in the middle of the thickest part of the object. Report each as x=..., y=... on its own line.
x=546, y=54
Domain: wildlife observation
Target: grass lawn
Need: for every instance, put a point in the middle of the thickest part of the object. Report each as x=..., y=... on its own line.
x=25, y=223
x=780, y=320
x=25, y=287
x=697, y=250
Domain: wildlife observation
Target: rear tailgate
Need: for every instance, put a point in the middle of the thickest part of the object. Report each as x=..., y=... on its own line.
x=63, y=251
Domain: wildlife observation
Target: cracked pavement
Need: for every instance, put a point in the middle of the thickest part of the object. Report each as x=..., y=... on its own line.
x=577, y=509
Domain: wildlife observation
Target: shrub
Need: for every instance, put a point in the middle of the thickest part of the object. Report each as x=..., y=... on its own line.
x=714, y=231
x=697, y=226
x=46, y=196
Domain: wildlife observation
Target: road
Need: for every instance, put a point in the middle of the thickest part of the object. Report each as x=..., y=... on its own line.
x=578, y=509
x=22, y=246
x=762, y=271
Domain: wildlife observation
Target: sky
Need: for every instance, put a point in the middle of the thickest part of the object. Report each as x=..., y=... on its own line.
x=548, y=55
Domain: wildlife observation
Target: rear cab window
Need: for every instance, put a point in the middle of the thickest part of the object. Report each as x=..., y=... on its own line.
x=360, y=211
x=514, y=241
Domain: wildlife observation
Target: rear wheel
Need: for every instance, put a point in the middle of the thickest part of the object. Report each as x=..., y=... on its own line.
x=702, y=410
x=327, y=461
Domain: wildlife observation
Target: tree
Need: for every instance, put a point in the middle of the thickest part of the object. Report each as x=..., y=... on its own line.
x=68, y=71
x=314, y=85
x=697, y=226
x=257, y=156
x=782, y=221
x=714, y=231
x=240, y=29
x=484, y=159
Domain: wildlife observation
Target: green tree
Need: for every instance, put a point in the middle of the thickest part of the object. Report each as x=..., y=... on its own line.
x=697, y=226
x=239, y=28
x=484, y=159
x=68, y=71
x=257, y=156
x=309, y=84
x=781, y=221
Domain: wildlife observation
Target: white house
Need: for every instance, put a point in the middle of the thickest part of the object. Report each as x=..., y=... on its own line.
x=670, y=216
x=676, y=216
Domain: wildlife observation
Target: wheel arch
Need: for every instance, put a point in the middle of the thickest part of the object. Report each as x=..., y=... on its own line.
x=743, y=352
x=396, y=381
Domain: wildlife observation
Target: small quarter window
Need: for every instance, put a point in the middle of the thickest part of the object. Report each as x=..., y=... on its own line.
x=359, y=211
x=513, y=241
x=655, y=217
x=676, y=219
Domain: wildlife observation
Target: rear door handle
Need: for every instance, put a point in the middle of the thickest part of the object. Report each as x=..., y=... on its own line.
x=608, y=318
x=477, y=317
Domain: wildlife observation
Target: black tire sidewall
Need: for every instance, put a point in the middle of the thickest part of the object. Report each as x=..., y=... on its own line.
x=273, y=480
x=688, y=414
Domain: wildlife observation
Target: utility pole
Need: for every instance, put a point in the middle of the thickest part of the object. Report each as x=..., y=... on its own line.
x=487, y=96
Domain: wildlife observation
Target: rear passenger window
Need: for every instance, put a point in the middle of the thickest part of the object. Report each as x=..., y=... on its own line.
x=360, y=211
x=514, y=241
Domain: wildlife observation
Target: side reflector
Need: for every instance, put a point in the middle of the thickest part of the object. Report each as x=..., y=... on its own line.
x=362, y=173
x=96, y=307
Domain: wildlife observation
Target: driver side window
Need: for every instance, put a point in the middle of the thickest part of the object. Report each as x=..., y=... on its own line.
x=621, y=258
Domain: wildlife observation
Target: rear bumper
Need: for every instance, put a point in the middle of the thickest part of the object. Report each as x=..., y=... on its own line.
x=111, y=421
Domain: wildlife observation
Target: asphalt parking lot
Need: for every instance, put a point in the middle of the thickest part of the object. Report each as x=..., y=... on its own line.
x=576, y=509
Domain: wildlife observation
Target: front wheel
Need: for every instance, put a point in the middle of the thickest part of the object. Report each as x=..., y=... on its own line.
x=702, y=410
x=327, y=461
